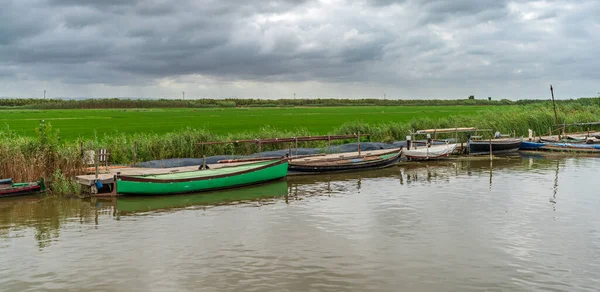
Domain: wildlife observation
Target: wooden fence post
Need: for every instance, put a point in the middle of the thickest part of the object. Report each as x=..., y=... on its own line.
x=358, y=143
x=134, y=153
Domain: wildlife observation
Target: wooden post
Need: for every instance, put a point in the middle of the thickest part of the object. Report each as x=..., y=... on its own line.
x=490, y=149
x=296, y=146
x=203, y=161
x=358, y=143
x=554, y=105
x=455, y=135
x=259, y=148
x=96, y=163
x=328, y=144
x=134, y=153
x=549, y=131
x=114, y=192
x=81, y=150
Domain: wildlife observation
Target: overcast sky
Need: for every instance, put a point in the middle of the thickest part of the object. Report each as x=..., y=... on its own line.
x=272, y=49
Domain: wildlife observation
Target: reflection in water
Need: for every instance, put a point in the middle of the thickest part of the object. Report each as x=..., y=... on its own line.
x=383, y=230
x=555, y=188
x=260, y=194
x=44, y=216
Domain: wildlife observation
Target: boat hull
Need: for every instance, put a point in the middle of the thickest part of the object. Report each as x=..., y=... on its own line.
x=431, y=153
x=144, y=186
x=345, y=164
x=20, y=191
x=498, y=147
x=560, y=147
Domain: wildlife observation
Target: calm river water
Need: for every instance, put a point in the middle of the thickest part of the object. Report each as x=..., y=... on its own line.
x=524, y=224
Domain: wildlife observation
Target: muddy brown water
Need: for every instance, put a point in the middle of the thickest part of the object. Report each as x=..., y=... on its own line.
x=521, y=224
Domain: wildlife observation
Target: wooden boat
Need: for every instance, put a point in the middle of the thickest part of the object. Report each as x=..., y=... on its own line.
x=203, y=180
x=318, y=165
x=498, y=146
x=431, y=152
x=571, y=139
x=10, y=189
x=560, y=147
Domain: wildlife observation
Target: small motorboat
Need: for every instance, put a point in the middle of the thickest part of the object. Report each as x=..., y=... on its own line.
x=429, y=152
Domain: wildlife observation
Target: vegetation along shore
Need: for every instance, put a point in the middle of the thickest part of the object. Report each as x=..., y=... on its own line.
x=46, y=151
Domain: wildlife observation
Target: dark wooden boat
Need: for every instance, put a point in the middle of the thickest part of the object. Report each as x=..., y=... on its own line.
x=498, y=146
x=344, y=164
x=10, y=189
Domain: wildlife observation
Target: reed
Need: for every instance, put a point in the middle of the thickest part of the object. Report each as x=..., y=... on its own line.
x=537, y=117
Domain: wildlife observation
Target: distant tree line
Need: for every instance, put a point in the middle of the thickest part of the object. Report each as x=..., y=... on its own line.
x=99, y=103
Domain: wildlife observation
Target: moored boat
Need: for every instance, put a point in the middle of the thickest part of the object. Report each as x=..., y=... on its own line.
x=10, y=189
x=203, y=180
x=560, y=147
x=497, y=146
x=316, y=165
x=429, y=152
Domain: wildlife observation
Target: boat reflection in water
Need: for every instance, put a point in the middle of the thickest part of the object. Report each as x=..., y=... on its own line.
x=317, y=185
x=259, y=193
x=442, y=171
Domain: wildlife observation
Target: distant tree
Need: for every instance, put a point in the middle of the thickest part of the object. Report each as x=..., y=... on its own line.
x=471, y=96
x=489, y=98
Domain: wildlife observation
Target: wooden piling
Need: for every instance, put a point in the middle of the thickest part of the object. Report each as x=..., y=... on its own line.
x=554, y=105
x=491, y=149
x=259, y=148
x=203, y=161
x=328, y=144
x=296, y=146
x=358, y=135
x=134, y=153
x=97, y=157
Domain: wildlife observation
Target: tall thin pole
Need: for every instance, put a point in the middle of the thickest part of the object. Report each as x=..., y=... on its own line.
x=44, y=93
x=554, y=105
x=183, y=94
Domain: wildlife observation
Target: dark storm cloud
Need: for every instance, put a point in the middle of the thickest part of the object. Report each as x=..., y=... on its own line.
x=117, y=42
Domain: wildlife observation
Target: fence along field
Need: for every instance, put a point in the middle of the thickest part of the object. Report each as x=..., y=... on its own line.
x=75, y=123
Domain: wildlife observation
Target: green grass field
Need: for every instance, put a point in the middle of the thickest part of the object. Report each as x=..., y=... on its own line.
x=84, y=123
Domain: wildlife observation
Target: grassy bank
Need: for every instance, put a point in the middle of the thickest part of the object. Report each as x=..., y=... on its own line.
x=43, y=154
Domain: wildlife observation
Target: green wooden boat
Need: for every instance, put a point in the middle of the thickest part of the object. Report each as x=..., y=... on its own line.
x=203, y=180
x=132, y=204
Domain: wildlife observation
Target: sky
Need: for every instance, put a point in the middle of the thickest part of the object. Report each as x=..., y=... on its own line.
x=405, y=49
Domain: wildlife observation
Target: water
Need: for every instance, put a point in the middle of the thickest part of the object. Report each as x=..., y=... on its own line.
x=524, y=224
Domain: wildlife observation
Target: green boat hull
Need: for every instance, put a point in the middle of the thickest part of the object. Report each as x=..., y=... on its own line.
x=203, y=180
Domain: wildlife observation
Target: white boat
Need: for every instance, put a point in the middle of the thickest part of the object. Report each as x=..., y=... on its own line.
x=431, y=152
